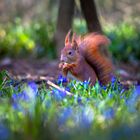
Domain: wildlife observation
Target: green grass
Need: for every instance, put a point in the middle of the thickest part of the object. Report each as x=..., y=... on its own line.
x=32, y=111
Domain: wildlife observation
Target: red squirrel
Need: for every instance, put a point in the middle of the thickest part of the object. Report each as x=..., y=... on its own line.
x=84, y=58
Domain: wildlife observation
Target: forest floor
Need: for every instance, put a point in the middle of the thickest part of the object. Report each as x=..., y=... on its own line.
x=43, y=70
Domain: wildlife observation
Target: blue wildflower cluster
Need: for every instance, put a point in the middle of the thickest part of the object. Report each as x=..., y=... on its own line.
x=61, y=79
x=92, y=112
x=29, y=92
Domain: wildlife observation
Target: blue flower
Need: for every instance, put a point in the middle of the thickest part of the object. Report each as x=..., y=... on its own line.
x=20, y=96
x=122, y=91
x=86, y=84
x=63, y=94
x=120, y=87
x=104, y=87
x=61, y=79
x=67, y=89
x=100, y=84
x=65, y=114
x=88, y=99
x=136, y=94
x=33, y=86
x=4, y=132
x=137, y=91
x=79, y=100
x=31, y=90
x=87, y=116
x=16, y=105
x=131, y=102
x=28, y=94
x=113, y=80
x=110, y=95
x=59, y=95
x=109, y=113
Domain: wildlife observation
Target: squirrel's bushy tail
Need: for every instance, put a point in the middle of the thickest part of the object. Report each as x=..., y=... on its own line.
x=93, y=48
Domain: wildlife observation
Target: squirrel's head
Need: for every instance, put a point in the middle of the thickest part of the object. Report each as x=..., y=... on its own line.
x=70, y=52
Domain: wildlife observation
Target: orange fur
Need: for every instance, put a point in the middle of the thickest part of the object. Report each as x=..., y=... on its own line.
x=90, y=48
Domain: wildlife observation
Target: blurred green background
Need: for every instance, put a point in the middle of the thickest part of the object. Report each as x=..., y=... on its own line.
x=28, y=27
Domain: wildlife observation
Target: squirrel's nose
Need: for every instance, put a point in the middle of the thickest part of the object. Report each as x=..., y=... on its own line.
x=63, y=58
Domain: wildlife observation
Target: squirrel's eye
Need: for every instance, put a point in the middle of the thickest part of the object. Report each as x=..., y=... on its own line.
x=70, y=53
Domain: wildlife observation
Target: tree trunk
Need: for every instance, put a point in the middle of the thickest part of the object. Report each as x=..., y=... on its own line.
x=90, y=13
x=64, y=22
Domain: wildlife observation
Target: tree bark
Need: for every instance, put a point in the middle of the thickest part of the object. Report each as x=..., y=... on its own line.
x=93, y=24
x=90, y=13
x=64, y=22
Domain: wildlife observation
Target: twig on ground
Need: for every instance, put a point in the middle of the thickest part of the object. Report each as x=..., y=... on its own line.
x=59, y=88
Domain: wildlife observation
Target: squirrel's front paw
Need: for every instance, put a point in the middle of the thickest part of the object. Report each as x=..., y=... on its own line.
x=68, y=67
x=64, y=67
x=61, y=65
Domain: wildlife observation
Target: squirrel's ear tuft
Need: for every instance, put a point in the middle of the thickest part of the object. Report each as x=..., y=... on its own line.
x=67, y=38
x=74, y=45
x=74, y=37
x=74, y=41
